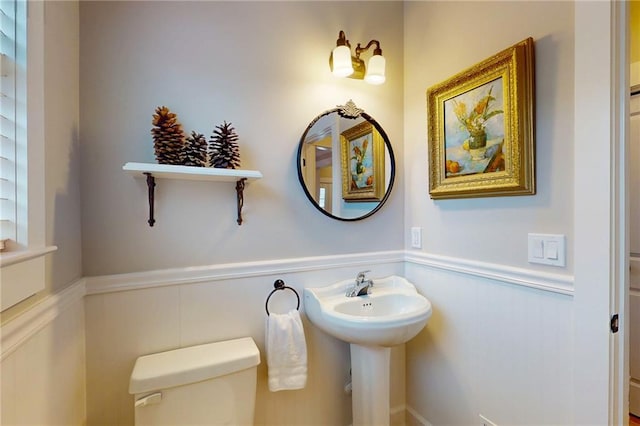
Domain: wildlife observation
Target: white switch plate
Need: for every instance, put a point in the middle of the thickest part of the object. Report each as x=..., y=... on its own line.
x=416, y=237
x=547, y=249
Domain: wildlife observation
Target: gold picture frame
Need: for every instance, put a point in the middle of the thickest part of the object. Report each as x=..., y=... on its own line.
x=362, y=158
x=481, y=128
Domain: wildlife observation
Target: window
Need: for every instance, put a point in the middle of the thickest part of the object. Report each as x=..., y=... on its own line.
x=22, y=213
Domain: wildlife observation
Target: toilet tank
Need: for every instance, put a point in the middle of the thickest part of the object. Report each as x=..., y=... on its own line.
x=212, y=384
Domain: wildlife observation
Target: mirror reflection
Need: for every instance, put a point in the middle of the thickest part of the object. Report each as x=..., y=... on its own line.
x=345, y=163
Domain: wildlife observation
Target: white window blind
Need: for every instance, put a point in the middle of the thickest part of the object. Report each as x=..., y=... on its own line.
x=12, y=116
x=22, y=186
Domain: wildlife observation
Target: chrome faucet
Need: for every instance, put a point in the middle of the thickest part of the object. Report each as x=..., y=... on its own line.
x=361, y=287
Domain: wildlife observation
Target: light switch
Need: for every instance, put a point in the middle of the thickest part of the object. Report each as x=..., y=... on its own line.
x=538, y=248
x=547, y=249
x=416, y=237
x=551, y=250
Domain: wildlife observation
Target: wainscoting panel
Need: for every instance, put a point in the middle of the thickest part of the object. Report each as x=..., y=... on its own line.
x=497, y=347
x=137, y=314
x=43, y=362
x=497, y=334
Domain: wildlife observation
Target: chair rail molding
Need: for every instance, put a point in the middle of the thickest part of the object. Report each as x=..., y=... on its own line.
x=191, y=275
x=18, y=330
x=555, y=283
x=21, y=328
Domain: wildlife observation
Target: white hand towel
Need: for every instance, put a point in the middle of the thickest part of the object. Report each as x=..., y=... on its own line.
x=286, y=352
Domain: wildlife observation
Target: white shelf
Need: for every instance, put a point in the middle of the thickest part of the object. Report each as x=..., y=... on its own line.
x=167, y=171
x=150, y=172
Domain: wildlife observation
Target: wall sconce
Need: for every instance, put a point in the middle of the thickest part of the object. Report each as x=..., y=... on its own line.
x=344, y=64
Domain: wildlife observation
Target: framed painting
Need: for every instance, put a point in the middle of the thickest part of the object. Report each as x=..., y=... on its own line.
x=481, y=128
x=362, y=153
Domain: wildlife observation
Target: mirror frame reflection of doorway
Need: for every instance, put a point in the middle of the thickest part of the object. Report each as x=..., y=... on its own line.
x=325, y=193
x=318, y=170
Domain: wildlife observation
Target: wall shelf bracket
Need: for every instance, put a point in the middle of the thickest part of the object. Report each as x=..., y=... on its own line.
x=151, y=185
x=166, y=171
x=240, y=198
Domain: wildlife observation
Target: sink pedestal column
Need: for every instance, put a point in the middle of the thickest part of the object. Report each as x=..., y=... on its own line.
x=370, y=380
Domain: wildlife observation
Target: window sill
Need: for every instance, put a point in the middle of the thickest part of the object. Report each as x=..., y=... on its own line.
x=13, y=257
x=23, y=275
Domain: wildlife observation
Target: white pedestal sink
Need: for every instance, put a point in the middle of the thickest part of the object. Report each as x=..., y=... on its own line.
x=392, y=314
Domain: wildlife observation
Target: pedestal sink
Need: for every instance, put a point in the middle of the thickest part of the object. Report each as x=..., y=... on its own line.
x=392, y=314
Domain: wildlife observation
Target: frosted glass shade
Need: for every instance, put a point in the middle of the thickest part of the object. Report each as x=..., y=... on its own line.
x=342, y=61
x=376, y=70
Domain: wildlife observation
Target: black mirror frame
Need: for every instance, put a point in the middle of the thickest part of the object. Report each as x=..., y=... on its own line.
x=346, y=112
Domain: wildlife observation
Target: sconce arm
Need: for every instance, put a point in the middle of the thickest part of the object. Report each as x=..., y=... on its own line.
x=376, y=51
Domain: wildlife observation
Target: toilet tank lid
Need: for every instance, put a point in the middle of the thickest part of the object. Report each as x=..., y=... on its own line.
x=193, y=364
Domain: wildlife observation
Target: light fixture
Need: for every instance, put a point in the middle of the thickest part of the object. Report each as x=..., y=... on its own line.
x=344, y=64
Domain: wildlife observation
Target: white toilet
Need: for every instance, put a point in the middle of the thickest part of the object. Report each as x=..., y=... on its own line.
x=211, y=384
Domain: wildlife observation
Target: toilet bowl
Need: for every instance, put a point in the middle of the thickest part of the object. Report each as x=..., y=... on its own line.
x=211, y=384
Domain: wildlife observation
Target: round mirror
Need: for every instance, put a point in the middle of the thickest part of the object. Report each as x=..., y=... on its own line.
x=345, y=163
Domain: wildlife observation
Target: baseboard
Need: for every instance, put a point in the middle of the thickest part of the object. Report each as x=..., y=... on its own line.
x=634, y=398
x=555, y=283
x=415, y=419
x=397, y=416
x=26, y=325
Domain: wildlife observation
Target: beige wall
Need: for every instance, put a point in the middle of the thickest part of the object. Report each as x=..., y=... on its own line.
x=489, y=340
x=491, y=229
x=43, y=346
x=492, y=347
x=62, y=122
x=263, y=66
x=62, y=151
x=215, y=61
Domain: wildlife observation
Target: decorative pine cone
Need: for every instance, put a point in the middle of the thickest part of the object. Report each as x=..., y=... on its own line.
x=195, y=150
x=224, y=152
x=168, y=136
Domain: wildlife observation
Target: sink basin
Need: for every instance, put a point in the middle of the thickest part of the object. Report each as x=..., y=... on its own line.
x=391, y=314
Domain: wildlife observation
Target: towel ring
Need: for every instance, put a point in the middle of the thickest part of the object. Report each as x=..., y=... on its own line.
x=279, y=285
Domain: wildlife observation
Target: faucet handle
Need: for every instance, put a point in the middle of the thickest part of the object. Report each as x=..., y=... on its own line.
x=361, y=275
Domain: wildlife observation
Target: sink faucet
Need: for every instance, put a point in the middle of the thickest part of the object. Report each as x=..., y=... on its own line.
x=361, y=287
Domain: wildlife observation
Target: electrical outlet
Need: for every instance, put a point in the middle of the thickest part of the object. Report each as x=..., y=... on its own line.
x=416, y=237
x=486, y=422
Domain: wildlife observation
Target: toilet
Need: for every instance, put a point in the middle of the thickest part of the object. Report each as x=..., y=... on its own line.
x=210, y=384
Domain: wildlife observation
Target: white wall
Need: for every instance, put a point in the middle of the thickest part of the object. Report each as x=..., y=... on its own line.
x=263, y=66
x=43, y=358
x=494, y=348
